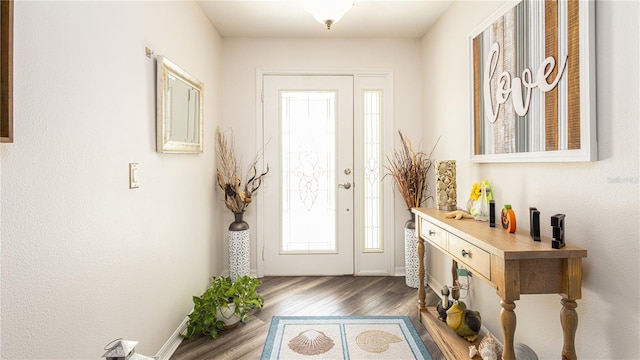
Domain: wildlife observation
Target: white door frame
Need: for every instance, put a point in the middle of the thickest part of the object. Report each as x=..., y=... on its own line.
x=386, y=76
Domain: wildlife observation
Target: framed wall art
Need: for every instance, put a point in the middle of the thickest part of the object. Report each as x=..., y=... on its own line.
x=532, y=83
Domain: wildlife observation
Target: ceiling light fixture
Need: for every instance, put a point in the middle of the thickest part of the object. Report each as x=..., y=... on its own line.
x=328, y=12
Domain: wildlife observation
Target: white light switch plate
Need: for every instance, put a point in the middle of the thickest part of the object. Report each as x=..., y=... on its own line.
x=133, y=176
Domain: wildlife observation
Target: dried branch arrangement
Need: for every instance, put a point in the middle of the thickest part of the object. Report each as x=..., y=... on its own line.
x=410, y=170
x=238, y=189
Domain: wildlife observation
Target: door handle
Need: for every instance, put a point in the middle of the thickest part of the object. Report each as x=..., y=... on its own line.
x=345, y=186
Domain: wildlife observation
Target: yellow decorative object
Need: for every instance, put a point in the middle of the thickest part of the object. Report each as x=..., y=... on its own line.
x=479, y=198
x=458, y=214
x=476, y=191
x=465, y=323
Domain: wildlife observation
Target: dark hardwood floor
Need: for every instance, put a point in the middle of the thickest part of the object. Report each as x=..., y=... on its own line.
x=312, y=296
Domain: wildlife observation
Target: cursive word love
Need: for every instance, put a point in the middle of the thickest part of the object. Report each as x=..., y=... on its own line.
x=514, y=86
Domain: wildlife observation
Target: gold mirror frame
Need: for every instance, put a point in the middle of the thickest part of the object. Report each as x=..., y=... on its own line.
x=180, y=103
x=6, y=71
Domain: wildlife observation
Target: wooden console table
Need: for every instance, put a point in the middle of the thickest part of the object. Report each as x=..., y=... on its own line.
x=514, y=264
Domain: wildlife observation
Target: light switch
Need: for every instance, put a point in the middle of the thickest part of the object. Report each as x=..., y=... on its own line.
x=133, y=176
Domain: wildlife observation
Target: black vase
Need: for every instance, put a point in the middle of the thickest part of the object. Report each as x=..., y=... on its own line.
x=239, y=224
x=411, y=223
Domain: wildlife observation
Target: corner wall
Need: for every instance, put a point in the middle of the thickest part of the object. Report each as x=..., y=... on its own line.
x=86, y=260
x=600, y=199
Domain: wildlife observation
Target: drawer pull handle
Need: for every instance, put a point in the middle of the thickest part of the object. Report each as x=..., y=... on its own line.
x=465, y=253
x=431, y=232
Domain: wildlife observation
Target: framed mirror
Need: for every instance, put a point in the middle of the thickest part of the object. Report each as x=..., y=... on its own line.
x=179, y=110
x=532, y=83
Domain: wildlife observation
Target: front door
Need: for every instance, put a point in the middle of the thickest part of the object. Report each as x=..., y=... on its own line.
x=309, y=215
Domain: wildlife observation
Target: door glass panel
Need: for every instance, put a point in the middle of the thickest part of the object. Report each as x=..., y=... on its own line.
x=373, y=168
x=308, y=158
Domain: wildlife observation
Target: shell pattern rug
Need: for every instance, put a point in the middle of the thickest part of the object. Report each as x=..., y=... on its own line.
x=343, y=338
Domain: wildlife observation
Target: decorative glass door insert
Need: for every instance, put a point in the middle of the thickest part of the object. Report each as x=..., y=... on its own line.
x=373, y=170
x=308, y=152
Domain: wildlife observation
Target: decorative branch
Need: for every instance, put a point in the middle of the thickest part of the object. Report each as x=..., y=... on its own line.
x=410, y=170
x=238, y=190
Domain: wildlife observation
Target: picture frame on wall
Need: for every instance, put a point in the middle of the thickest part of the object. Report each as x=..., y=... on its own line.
x=532, y=83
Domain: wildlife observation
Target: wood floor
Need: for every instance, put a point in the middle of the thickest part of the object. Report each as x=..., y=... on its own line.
x=312, y=296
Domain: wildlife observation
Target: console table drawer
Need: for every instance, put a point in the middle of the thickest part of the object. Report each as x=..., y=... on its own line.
x=471, y=255
x=434, y=234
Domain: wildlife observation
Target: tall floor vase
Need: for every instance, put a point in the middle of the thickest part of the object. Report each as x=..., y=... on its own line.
x=411, y=252
x=238, y=236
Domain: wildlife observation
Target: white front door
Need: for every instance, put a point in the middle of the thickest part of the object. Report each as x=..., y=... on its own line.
x=309, y=214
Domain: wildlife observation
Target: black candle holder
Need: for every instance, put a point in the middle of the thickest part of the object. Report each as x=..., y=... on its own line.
x=557, y=222
x=534, y=223
x=492, y=213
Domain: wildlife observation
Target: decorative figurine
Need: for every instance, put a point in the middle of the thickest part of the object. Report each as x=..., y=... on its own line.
x=534, y=223
x=557, y=222
x=120, y=349
x=444, y=305
x=508, y=219
x=465, y=323
x=489, y=348
x=458, y=214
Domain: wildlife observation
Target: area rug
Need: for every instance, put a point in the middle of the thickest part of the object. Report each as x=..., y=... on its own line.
x=343, y=338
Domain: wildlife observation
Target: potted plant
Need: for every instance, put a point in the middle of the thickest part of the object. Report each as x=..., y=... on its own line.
x=223, y=305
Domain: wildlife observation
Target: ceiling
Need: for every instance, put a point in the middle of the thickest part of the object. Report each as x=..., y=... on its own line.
x=288, y=19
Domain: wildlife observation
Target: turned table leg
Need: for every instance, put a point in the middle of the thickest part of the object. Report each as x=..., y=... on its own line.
x=421, y=292
x=569, y=321
x=508, y=321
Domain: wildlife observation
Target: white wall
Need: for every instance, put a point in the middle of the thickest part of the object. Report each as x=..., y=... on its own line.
x=600, y=199
x=243, y=56
x=85, y=259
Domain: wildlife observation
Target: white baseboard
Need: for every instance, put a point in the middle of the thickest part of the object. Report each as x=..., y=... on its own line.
x=434, y=284
x=252, y=273
x=399, y=271
x=372, y=273
x=174, y=341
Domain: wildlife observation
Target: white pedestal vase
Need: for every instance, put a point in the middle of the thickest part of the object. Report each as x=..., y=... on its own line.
x=238, y=236
x=411, y=253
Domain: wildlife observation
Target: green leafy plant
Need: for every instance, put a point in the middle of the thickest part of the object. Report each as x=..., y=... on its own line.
x=206, y=315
